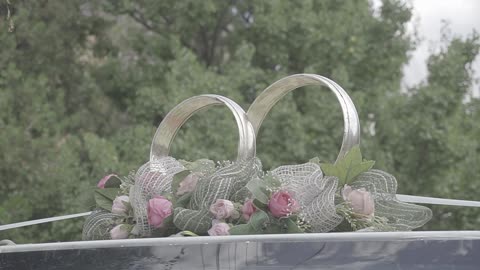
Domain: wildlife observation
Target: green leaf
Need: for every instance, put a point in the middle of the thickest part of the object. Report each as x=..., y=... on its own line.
x=241, y=229
x=168, y=221
x=315, y=160
x=292, y=226
x=113, y=182
x=177, y=178
x=354, y=155
x=334, y=170
x=127, y=227
x=183, y=200
x=356, y=170
x=167, y=228
x=349, y=167
x=261, y=206
x=104, y=197
x=274, y=228
x=110, y=193
x=259, y=190
x=102, y=201
x=258, y=221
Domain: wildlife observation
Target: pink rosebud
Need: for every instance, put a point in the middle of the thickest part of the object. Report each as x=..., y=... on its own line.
x=188, y=184
x=360, y=200
x=282, y=204
x=119, y=207
x=104, y=180
x=219, y=228
x=119, y=232
x=158, y=209
x=248, y=209
x=222, y=209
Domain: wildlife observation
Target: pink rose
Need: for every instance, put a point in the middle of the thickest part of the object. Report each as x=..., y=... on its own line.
x=282, y=204
x=119, y=207
x=219, y=228
x=188, y=184
x=360, y=200
x=158, y=209
x=222, y=209
x=104, y=180
x=119, y=232
x=248, y=209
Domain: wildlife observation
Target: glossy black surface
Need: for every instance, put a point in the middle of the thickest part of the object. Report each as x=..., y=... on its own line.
x=354, y=254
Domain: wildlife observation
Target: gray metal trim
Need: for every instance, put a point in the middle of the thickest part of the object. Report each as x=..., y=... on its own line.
x=311, y=237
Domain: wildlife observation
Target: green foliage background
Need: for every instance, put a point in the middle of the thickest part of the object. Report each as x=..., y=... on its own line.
x=83, y=85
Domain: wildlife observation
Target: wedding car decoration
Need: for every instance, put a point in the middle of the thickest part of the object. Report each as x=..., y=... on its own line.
x=170, y=197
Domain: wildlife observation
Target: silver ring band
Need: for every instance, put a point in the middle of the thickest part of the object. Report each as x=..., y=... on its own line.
x=272, y=94
x=175, y=119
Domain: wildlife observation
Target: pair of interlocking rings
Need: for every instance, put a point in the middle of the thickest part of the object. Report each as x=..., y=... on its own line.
x=156, y=176
x=249, y=123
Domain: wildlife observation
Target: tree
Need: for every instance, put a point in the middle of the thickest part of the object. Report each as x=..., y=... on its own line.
x=50, y=105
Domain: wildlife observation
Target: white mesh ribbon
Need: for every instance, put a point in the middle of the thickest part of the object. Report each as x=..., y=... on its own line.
x=399, y=216
x=153, y=178
x=314, y=192
x=227, y=182
x=316, y=195
x=98, y=225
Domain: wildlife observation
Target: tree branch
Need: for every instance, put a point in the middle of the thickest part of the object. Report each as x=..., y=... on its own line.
x=139, y=18
x=216, y=32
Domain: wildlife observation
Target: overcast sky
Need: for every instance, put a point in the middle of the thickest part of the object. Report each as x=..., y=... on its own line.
x=462, y=16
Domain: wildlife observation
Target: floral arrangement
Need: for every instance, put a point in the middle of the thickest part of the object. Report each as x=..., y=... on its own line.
x=199, y=198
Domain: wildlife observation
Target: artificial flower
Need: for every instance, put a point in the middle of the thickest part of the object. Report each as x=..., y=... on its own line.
x=119, y=206
x=158, y=209
x=222, y=209
x=248, y=209
x=119, y=232
x=104, y=180
x=360, y=200
x=219, y=228
x=188, y=184
x=282, y=204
